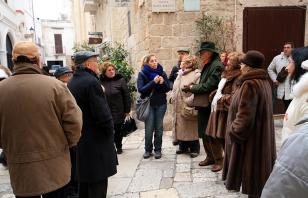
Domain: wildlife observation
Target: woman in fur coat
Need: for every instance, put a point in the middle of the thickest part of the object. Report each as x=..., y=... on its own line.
x=216, y=128
x=250, y=149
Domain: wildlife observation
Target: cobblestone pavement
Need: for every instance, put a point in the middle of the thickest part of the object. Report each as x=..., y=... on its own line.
x=172, y=176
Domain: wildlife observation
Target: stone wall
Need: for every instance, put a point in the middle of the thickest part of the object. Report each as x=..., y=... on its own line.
x=163, y=33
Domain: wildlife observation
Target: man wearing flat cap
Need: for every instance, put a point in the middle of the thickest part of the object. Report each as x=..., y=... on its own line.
x=40, y=120
x=63, y=74
x=210, y=77
x=96, y=154
x=182, y=52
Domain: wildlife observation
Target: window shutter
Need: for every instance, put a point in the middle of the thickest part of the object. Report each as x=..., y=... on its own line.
x=58, y=44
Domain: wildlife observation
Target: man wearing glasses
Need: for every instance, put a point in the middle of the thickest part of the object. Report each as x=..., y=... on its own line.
x=278, y=73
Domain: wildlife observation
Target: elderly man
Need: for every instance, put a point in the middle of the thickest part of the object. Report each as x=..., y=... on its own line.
x=97, y=158
x=64, y=74
x=39, y=121
x=279, y=75
x=210, y=77
x=174, y=72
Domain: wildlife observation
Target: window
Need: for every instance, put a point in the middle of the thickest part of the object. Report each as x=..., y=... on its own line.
x=192, y=5
x=58, y=44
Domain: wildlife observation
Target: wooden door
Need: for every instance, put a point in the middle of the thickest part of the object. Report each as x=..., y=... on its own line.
x=267, y=28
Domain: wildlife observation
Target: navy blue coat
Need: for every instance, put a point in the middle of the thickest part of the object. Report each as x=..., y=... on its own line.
x=96, y=155
x=145, y=87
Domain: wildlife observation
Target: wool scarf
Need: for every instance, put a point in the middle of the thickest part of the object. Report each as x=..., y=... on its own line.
x=152, y=73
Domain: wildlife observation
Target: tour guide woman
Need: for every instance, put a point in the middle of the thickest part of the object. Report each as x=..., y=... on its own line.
x=152, y=81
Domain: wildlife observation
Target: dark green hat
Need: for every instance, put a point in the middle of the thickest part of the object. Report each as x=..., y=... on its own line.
x=82, y=56
x=209, y=46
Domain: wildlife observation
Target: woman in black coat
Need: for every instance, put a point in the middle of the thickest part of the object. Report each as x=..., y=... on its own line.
x=118, y=100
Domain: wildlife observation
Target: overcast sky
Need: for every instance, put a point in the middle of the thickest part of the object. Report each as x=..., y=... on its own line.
x=51, y=9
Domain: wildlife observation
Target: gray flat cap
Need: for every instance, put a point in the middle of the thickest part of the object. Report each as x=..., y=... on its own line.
x=82, y=56
x=62, y=70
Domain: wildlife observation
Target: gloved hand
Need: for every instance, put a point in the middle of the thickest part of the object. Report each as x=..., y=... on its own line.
x=186, y=88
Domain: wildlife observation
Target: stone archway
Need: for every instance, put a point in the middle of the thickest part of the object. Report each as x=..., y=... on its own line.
x=9, y=49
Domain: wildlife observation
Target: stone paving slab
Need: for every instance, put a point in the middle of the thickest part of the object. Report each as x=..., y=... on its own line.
x=146, y=180
x=168, y=193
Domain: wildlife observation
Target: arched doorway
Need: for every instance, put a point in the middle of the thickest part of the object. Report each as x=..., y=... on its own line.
x=9, y=49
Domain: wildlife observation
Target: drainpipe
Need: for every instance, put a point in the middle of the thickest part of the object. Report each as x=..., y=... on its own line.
x=33, y=23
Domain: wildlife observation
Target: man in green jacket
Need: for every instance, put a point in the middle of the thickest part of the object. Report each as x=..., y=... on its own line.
x=210, y=77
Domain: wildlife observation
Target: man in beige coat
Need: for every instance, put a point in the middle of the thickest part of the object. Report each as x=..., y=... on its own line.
x=39, y=122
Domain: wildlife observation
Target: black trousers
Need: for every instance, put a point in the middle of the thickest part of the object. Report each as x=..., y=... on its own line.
x=93, y=190
x=59, y=193
x=118, y=135
x=286, y=104
x=193, y=146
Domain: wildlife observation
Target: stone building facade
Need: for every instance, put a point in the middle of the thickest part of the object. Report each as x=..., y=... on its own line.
x=17, y=23
x=142, y=31
x=58, y=39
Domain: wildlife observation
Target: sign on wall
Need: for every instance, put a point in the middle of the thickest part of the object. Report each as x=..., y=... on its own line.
x=121, y=3
x=163, y=6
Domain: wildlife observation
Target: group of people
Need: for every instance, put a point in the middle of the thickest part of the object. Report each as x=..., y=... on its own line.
x=61, y=136
x=227, y=102
x=58, y=135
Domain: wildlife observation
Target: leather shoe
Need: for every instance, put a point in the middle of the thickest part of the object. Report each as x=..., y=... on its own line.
x=147, y=155
x=216, y=167
x=206, y=162
x=194, y=154
x=180, y=151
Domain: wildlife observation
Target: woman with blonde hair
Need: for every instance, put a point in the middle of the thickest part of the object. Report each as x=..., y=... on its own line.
x=153, y=82
x=216, y=128
x=185, y=123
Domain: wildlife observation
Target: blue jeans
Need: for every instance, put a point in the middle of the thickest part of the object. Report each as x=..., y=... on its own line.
x=154, y=124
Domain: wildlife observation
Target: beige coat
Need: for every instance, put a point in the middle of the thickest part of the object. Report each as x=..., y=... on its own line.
x=39, y=121
x=184, y=129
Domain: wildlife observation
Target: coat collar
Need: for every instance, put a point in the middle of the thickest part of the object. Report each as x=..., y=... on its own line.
x=253, y=74
x=81, y=69
x=27, y=68
x=116, y=77
x=231, y=75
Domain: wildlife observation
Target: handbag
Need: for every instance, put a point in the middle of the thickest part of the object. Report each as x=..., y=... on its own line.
x=143, y=107
x=201, y=100
x=128, y=126
x=282, y=75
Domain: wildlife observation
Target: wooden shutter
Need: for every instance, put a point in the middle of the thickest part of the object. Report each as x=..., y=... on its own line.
x=58, y=44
